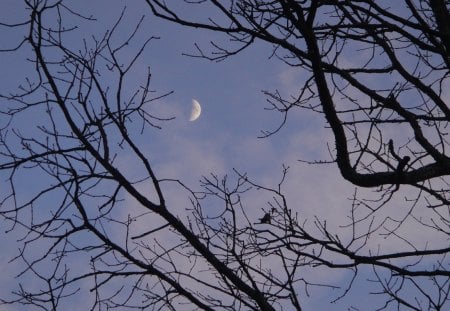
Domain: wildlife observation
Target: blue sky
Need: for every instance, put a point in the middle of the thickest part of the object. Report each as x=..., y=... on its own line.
x=225, y=136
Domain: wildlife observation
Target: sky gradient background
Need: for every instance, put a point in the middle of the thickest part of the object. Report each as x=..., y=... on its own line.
x=225, y=137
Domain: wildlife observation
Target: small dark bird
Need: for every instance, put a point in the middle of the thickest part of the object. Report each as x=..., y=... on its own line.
x=402, y=163
x=265, y=219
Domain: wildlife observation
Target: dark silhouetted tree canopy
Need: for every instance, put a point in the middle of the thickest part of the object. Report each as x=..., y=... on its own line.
x=375, y=72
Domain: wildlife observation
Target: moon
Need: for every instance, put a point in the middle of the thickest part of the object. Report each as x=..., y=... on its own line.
x=196, y=110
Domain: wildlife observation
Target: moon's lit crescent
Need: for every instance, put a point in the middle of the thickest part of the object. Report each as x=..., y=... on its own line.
x=196, y=110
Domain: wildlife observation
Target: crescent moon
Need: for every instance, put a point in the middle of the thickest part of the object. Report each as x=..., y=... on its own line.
x=196, y=110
